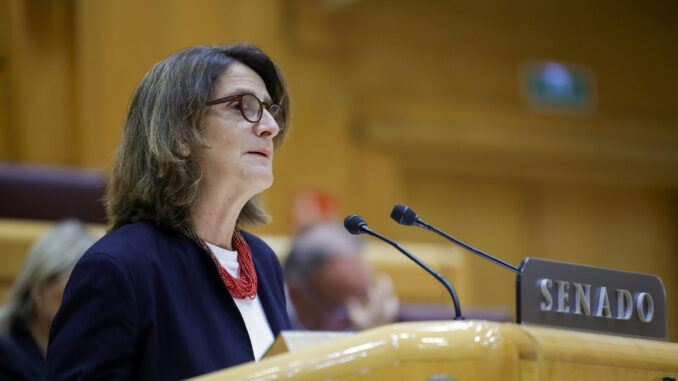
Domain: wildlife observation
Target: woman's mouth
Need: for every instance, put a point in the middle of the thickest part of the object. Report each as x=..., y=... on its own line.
x=263, y=152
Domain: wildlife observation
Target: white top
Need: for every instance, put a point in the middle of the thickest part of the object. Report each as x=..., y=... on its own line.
x=251, y=310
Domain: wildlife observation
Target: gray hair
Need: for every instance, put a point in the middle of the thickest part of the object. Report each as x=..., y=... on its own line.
x=50, y=258
x=314, y=247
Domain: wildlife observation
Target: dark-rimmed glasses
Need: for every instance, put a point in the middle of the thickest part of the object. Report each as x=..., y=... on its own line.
x=252, y=109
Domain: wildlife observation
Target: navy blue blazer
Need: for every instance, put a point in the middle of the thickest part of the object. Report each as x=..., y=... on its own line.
x=20, y=357
x=149, y=304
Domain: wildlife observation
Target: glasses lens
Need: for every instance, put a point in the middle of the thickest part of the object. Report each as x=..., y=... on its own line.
x=251, y=108
x=278, y=114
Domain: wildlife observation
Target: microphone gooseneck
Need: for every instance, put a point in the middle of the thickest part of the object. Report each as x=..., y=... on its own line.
x=355, y=224
x=406, y=216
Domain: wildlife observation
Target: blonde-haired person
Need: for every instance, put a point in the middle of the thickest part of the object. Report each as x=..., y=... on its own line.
x=35, y=297
x=176, y=289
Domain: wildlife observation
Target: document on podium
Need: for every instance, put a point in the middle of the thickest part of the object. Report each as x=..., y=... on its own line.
x=291, y=341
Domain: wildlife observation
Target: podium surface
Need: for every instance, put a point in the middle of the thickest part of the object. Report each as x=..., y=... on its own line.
x=468, y=350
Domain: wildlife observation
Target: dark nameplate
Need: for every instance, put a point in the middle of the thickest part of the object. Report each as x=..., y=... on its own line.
x=591, y=298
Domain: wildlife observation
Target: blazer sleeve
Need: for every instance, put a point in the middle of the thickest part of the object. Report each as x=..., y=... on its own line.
x=13, y=365
x=93, y=335
x=281, y=291
x=276, y=269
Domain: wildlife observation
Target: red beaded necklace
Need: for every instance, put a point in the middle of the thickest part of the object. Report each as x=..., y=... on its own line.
x=245, y=286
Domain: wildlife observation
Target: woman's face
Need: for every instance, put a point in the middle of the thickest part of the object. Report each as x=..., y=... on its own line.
x=240, y=153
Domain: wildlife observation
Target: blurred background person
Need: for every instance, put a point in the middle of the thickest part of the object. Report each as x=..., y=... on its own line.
x=35, y=297
x=330, y=285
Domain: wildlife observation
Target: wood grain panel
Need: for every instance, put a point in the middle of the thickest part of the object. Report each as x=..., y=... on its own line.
x=40, y=71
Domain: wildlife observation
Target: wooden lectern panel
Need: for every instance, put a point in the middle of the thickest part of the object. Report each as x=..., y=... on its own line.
x=468, y=350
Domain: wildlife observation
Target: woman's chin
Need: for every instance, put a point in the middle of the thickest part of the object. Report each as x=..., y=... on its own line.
x=261, y=182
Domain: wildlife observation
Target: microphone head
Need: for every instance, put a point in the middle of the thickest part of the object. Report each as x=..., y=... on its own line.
x=404, y=215
x=354, y=223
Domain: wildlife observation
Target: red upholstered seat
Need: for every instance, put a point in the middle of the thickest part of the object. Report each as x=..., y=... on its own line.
x=51, y=193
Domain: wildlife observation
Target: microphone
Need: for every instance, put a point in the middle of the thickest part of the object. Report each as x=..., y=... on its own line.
x=354, y=224
x=357, y=225
x=406, y=216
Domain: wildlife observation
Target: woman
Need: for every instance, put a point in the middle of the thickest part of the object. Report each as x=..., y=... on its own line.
x=35, y=298
x=176, y=289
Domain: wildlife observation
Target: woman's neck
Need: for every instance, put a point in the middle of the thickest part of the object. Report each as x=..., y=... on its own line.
x=214, y=216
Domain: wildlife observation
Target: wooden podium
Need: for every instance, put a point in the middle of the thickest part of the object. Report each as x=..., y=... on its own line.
x=468, y=350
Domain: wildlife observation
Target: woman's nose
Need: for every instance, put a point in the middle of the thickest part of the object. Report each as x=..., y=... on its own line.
x=267, y=126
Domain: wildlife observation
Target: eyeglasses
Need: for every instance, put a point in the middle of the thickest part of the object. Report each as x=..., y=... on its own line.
x=252, y=109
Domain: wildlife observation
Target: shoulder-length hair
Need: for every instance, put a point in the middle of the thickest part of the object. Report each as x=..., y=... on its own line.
x=154, y=179
x=51, y=257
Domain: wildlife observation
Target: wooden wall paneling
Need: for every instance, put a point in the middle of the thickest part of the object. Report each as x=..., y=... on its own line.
x=6, y=148
x=40, y=69
x=117, y=43
x=622, y=151
x=624, y=228
x=378, y=185
x=487, y=213
x=318, y=151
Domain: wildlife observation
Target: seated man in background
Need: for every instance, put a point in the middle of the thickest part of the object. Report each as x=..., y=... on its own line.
x=331, y=287
x=26, y=316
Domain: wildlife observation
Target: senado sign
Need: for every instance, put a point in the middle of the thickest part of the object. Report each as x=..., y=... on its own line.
x=582, y=301
x=591, y=298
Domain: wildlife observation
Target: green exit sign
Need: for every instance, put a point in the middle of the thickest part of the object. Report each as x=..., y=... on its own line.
x=554, y=87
